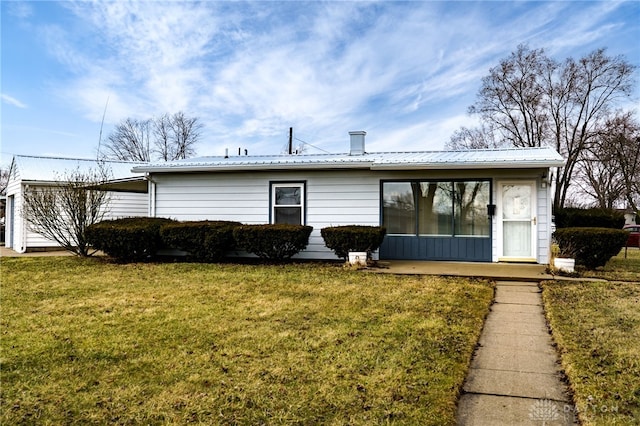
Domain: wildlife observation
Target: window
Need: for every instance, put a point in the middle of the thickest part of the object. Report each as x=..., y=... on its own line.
x=437, y=208
x=287, y=203
x=398, y=207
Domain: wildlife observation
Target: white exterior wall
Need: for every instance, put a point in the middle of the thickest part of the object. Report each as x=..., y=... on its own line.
x=13, y=224
x=333, y=198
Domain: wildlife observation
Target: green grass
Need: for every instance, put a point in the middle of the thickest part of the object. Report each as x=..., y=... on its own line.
x=597, y=328
x=88, y=342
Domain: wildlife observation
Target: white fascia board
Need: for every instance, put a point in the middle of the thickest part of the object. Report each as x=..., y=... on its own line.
x=255, y=167
x=465, y=165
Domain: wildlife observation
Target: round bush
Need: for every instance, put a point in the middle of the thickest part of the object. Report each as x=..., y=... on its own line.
x=206, y=241
x=129, y=239
x=275, y=242
x=343, y=239
x=591, y=247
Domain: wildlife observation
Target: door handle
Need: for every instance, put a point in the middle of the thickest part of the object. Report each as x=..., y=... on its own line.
x=535, y=222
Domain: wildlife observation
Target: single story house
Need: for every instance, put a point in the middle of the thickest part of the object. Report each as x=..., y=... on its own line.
x=128, y=193
x=478, y=205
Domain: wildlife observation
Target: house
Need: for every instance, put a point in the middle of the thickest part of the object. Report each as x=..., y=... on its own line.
x=479, y=205
x=128, y=193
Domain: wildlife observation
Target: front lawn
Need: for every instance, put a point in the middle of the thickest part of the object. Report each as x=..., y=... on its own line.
x=597, y=328
x=89, y=342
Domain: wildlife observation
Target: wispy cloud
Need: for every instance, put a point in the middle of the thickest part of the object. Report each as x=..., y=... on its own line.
x=12, y=101
x=19, y=9
x=251, y=70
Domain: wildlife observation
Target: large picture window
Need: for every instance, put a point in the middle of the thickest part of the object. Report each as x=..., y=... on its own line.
x=438, y=208
x=287, y=203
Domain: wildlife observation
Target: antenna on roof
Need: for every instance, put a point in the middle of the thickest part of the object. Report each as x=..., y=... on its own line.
x=290, y=140
x=101, y=125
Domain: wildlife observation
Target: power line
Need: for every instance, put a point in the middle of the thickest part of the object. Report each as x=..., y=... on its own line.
x=313, y=146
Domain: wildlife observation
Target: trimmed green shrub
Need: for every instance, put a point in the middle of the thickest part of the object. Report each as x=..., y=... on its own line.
x=343, y=239
x=591, y=247
x=275, y=242
x=130, y=239
x=204, y=240
x=590, y=218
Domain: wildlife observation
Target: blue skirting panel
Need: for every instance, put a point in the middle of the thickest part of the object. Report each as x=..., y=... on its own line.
x=408, y=247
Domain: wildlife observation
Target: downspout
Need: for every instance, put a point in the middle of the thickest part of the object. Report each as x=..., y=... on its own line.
x=152, y=195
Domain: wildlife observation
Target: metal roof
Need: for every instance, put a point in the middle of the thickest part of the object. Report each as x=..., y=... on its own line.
x=469, y=159
x=53, y=169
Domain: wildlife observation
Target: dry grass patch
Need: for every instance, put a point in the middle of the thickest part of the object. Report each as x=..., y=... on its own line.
x=620, y=268
x=597, y=329
x=85, y=341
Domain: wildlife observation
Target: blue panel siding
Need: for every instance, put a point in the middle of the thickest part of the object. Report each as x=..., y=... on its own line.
x=409, y=247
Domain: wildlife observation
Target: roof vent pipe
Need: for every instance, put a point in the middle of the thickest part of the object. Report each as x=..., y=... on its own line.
x=357, y=142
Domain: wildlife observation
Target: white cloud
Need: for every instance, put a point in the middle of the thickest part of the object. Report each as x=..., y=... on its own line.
x=404, y=71
x=19, y=9
x=12, y=101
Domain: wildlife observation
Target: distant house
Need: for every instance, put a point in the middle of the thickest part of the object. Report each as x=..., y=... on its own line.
x=479, y=205
x=128, y=194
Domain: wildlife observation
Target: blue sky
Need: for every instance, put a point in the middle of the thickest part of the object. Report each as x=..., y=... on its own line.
x=405, y=72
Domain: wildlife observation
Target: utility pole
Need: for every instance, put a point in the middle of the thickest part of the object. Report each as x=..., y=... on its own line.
x=290, y=140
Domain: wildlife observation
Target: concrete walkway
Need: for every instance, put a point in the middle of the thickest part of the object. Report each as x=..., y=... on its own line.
x=515, y=377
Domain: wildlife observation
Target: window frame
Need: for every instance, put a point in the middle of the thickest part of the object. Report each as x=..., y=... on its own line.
x=415, y=183
x=302, y=185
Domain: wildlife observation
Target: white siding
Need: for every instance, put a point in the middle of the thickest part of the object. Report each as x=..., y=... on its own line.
x=14, y=224
x=332, y=198
x=339, y=197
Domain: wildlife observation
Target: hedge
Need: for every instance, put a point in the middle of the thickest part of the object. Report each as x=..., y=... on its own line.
x=129, y=239
x=343, y=239
x=206, y=241
x=275, y=242
x=591, y=247
x=591, y=218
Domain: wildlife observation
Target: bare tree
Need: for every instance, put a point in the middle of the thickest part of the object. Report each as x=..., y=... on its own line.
x=531, y=100
x=609, y=172
x=175, y=136
x=473, y=138
x=4, y=180
x=129, y=141
x=63, y=211
x=168, y=137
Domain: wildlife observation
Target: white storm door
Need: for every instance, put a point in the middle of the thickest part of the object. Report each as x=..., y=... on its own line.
x=518, y=220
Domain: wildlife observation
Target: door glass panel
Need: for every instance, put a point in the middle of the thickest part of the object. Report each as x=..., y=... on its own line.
x=516, y=239
x=516, y=202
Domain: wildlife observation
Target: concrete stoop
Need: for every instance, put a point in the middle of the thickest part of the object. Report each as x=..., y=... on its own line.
x=515, y=377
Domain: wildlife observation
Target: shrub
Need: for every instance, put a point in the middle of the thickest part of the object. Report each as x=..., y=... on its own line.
x=591, y=218
x=276, y=242
x=130, y=239
x=204, y=241
x=591, y=247
x=343, y=239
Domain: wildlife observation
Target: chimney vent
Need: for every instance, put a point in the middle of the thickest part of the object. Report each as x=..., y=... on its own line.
x=357, y=142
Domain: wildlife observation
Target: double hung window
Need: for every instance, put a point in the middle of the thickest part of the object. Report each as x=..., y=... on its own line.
x=287, y=203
